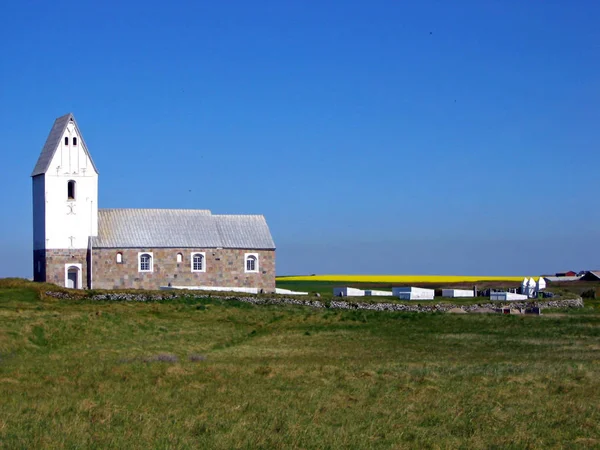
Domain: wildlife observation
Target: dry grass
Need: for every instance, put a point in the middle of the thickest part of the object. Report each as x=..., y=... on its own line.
x=80, y=374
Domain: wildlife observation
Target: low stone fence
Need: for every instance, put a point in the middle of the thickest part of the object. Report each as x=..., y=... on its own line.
x=333, y=304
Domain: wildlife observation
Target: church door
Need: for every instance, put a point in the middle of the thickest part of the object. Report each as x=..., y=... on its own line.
x=73, y=275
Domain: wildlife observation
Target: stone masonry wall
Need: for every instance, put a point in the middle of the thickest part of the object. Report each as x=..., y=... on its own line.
x=224, y=267
x=55, y=265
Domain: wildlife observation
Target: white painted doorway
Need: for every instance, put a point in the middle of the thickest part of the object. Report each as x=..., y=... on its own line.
x=73, y=276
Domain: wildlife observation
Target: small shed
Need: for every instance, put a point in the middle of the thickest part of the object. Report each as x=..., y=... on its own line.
x=456, y=293
x=507, y=296
x=348, y=292
x=570, y=273
x=551, y=279
x=413, y=293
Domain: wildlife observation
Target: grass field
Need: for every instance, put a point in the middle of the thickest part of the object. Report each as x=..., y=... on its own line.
x=211, y=373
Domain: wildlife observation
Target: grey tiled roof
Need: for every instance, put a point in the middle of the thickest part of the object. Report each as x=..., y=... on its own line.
x=239, y=231
x=186, y=228
x=53, y=141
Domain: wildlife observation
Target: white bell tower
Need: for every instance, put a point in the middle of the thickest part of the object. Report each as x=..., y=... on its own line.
x=65, y=206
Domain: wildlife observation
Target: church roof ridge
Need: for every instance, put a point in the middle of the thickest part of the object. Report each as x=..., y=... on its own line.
x=182, y=210
x=52, y=141
x=238, y=215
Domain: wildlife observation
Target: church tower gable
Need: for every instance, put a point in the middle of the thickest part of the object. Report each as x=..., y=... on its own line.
x=65, y=150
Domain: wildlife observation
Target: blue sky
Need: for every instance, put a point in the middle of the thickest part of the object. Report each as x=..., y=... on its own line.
x=376, y=137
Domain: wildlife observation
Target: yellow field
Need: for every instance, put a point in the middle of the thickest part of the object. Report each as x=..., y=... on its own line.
x=400, y=278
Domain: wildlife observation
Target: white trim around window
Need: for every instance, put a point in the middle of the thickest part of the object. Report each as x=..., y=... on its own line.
x=251, y=263
x=145, y=262
x=198, y=262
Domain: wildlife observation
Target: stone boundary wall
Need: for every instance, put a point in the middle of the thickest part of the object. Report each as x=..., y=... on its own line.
x=334, y=304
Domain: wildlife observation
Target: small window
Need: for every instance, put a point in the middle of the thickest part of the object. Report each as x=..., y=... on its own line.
x=119, y=258
x=179, y=257
x=251, y=262
x=66, y=140
x=39, y=266
x=71, y=190
x=198, y=264
x=145, y=262
x=74, y=141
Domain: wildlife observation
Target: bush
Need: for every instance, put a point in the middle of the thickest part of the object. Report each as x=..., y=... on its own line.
x=590, y=293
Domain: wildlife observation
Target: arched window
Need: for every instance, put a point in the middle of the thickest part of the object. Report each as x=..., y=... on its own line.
x=198, y=262
x=145, y=262
x=119, y=258
x=74, y=141
x=71, y=190
x=179, y=257
x=66, y=140
x=251, y=262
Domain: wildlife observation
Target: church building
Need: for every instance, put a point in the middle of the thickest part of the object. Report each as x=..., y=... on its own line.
x=78, y=245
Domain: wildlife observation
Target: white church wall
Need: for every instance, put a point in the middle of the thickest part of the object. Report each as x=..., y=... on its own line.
x=246, y=290
x=282, y=291
x=69, y=223
x=76, y=219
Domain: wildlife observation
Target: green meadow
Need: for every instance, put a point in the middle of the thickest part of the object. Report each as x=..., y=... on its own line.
x=215, y=373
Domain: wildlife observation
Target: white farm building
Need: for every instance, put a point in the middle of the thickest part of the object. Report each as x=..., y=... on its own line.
x=348, y=292
x=458, y=293
x=413, y=293
x=375, y=293
x=507, y=296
